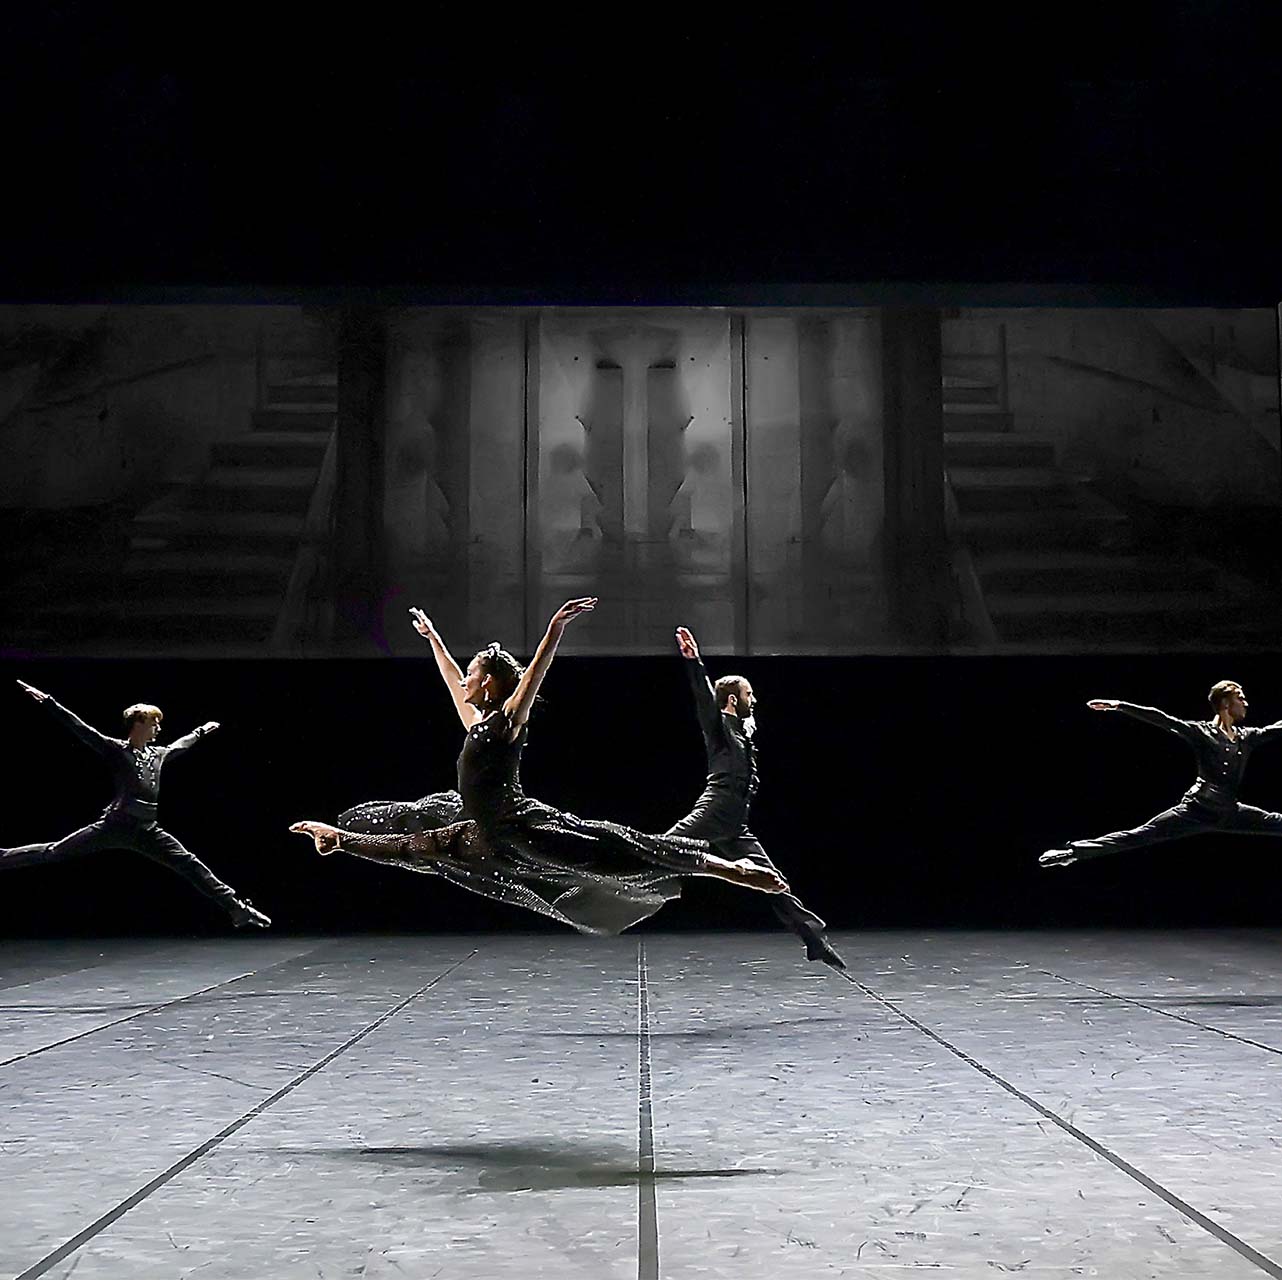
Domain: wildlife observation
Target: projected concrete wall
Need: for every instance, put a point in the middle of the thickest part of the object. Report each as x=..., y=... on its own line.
x=206, y=480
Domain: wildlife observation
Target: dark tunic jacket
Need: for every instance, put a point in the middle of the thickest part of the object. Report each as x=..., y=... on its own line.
x=1221, y=761
x=730, y=743
x=135, y=771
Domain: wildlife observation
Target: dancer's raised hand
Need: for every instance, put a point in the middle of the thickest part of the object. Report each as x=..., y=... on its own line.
x=1103, y=705
x=686, y=644
x=572, y=609
x=38, y=695
x=450, y=671
x=422, y=624
x=208, y=728
x=521, y=700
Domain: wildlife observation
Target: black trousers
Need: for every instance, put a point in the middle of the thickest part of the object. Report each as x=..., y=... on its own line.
x=1186, y=819
x=114, y=832
x=725, y=827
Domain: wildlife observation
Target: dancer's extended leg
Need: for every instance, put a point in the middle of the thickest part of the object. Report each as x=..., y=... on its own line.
x=706, y=824
x=95, y=836
x=413, y=850
x=153, y=842
x=1251, y=821
x=164, y=848
x=416, y=850
x=807, y=925
x=1183, y=820
x=743, y=872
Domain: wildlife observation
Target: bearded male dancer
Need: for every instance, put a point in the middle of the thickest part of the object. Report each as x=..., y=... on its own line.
x=720, y=815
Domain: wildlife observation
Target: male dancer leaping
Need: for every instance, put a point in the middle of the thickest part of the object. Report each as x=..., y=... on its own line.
x=1222, y=746
x=129, y=821
x=720, y=815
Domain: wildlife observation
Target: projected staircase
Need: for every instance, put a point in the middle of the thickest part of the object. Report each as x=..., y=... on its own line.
x=1054, y=565
x=212, y=564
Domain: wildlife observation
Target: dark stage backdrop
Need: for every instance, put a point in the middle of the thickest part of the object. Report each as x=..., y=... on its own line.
x=896, y=791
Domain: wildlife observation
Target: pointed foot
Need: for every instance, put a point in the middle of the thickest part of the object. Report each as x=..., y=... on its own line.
x=325, y=836
x=819, y=949
x=757, y=878
x=244, y=914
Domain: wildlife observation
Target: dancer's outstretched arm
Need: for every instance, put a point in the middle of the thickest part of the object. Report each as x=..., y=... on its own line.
x=450, y=671
x=1265, y=733
x=194, y=736
x=84, y=732
x=1153, y=716
x=517, y=708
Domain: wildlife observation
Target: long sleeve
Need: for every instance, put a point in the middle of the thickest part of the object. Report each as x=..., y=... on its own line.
x=705, y=702
x=1162, y=720
x=181, y=744
x=1265, y=733
x=85, y=733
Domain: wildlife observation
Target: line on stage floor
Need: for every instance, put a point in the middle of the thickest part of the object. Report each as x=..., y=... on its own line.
x=1231, y=1240
x=159, y=1006
x=1170, y=1014
x=647, y=1209
x=6, y=984
x=139, y=1195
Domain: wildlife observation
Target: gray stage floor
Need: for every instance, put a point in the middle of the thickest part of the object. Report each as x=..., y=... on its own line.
x=671, y=1105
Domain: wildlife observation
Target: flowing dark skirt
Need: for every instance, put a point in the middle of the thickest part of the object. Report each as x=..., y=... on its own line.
x=594, y=875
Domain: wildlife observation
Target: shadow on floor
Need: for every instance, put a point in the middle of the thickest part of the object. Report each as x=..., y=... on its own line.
x=707, y=1032
x=1242, y=999
x=523, y=1166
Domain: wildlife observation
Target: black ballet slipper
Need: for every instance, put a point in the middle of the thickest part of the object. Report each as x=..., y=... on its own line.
x=819, y=949
x=244, y=913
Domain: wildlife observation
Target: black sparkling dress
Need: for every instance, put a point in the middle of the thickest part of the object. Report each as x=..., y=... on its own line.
x=490, y=838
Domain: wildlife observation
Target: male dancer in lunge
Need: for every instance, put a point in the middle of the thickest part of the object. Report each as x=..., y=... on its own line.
x=1222, y=746
x=129, y=821
x=720, y=815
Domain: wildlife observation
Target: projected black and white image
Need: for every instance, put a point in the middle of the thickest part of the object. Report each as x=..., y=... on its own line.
x=275, y=480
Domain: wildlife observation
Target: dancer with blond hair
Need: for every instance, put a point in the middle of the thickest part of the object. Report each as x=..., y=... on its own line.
x=130, y=820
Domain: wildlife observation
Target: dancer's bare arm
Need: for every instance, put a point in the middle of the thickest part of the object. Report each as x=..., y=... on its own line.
x=450, y=671
x=517, y=708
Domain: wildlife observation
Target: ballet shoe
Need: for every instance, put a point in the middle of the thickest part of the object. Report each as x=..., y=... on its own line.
x=819, y=949
x=243, y=913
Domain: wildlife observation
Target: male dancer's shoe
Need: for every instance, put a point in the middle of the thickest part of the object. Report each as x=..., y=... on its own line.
x=1057, y=858
x=244, y=913
x=819, y=949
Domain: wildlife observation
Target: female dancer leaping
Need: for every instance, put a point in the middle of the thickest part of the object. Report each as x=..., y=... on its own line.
x=596, y=876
